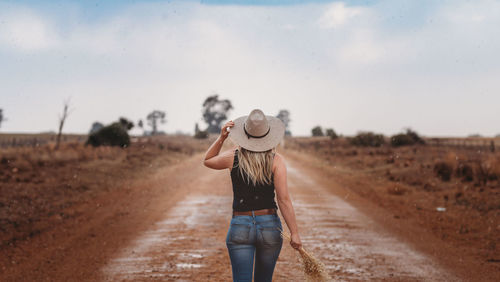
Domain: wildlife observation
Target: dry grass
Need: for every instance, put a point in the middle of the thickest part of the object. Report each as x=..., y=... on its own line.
x=403, y=181
x=38, y=184
x=313, y=268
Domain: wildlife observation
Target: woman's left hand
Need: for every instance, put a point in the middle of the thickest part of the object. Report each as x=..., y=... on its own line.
x=224, y=132
x=295, y=241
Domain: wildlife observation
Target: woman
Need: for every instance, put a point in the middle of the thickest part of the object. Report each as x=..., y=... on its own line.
x=256, y=172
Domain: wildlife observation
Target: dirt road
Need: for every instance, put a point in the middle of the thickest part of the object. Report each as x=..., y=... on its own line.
x=186, y=243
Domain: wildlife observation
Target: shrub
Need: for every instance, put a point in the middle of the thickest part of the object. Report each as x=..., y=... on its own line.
x=330, y=132
x=368, y=139
x=465, y=171
x=410, y=137
x=496, y=167
x=401, y=139
x=485, y=170
x=443, y=170
x=317, y=131
x=111, y=135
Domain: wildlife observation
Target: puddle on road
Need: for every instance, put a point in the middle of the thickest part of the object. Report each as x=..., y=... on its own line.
x=346, y=240
x=188, y=265
x=167, y=250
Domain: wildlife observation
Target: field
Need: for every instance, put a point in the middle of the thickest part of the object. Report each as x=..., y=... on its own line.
x=454, y=192
x=82, y=213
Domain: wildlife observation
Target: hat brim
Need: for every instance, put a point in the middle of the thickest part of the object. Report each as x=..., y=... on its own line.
x=271, y=140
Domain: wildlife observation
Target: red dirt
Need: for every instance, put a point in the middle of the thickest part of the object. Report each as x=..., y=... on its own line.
x=410, y=228
x=169, y=223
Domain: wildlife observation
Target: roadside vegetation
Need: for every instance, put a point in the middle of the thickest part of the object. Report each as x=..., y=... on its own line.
x=454, y=192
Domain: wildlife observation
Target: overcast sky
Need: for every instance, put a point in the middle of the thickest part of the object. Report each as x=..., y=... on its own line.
x=381, y=66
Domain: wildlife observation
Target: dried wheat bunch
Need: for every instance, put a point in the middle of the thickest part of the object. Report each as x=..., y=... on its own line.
x=313, y=268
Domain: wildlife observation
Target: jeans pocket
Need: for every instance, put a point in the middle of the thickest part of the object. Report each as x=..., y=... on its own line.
x=271, y=236
x=239, y=233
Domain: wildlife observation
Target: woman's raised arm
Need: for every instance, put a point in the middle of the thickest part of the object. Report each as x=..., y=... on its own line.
x=212, y=157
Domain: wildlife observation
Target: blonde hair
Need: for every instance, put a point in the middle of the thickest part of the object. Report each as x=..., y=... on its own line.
x=257, y=166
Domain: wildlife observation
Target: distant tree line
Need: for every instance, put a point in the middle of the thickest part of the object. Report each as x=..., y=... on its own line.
x=214, y=112
x=318, y=131
x=367, y=139
x=370, y=139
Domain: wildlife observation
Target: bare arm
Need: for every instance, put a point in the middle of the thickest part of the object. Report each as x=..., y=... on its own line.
x=284, y=201
x=212, y=157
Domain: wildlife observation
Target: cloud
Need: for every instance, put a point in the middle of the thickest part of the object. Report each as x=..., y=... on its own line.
x=361, y=49
x=27, y=31
x=337, y=15
x=139, y=34
x=472, y=12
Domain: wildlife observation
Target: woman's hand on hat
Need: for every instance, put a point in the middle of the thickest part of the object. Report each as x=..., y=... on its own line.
x=225, y=129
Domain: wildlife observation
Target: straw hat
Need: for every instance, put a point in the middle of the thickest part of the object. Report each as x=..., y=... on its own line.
x=257, y=132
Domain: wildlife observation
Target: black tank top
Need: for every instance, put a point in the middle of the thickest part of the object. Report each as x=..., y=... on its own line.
x=248, y=197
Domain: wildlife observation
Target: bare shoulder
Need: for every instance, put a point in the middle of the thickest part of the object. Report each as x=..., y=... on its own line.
x=279, y=157
x=279, y=161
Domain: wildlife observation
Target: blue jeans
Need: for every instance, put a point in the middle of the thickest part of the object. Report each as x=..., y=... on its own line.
x=254, y=236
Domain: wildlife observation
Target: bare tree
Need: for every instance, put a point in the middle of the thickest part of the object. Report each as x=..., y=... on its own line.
x=1, y=117
x=153, y=118
x=62, y=119
x=140, y=124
